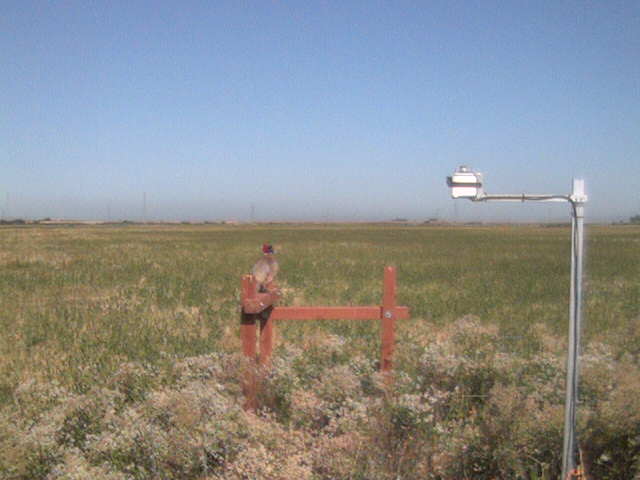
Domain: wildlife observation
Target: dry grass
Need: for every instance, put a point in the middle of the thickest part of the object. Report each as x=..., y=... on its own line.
x=118, y=354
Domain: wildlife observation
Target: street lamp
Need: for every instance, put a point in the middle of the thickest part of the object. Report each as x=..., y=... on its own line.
x=466, y=183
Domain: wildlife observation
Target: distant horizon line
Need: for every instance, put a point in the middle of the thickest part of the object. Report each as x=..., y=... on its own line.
x=234, y=222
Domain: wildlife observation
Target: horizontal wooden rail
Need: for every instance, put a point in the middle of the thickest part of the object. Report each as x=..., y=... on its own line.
x=335, y=313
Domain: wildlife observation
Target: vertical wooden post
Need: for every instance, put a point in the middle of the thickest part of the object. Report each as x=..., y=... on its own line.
x=248, y=335
x=266, y=336
x=388, y=326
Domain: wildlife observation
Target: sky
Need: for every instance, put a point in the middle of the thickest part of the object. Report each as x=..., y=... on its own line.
x=325, y=110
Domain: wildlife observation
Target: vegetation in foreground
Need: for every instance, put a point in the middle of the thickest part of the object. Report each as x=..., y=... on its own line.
x=119, y=357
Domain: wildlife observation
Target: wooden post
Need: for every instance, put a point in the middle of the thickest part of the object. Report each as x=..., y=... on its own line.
x=266, y=336
x=248, y=335
x=388, y=326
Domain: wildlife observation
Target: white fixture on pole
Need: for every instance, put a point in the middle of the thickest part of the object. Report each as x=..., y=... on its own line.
x=465, y=183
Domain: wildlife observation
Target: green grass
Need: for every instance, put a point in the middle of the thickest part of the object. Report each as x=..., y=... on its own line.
x=119, y=354
x=77, y=302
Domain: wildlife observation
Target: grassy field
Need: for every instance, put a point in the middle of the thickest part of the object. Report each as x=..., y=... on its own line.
x=80, y=304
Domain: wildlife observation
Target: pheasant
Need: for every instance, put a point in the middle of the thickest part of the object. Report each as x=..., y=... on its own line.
x=265, y=269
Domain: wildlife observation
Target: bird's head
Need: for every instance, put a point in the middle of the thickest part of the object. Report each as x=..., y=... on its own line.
x=267, y=248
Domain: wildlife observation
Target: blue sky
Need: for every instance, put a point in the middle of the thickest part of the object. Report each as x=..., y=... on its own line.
x=311, y=110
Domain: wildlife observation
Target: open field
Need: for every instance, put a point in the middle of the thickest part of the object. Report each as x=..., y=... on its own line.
x=101, y=323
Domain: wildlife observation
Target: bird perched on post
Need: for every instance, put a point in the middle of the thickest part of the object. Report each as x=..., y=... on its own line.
x=265, y=269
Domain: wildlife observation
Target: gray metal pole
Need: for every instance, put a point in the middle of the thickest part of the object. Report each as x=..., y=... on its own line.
x=575, y=325
x=474, y=191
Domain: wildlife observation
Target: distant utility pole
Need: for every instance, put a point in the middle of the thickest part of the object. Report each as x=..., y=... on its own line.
x=253, y=213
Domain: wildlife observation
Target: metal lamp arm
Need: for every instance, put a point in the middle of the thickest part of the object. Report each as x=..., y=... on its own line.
x=514, y=197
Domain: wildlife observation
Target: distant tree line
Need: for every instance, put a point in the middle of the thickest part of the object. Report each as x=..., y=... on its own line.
x=15, y=221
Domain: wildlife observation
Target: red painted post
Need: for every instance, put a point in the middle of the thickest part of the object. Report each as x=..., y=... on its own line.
x=266, y=337
x=248, y=335
x=248, y=325
x=388, y=325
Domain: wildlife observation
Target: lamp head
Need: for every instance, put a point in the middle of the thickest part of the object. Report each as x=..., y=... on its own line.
x=465, y=183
